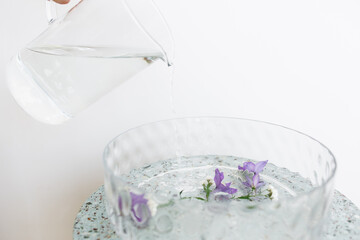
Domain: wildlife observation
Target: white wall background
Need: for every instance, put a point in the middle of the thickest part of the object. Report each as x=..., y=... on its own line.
x=296, y=64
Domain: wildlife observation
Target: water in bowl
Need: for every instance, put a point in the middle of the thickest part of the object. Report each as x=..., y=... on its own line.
x=177, y=217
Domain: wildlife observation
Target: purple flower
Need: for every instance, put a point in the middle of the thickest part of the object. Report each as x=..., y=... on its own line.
x=219, y=176
x=139, y=208
x=254, y=182
x=252, y=167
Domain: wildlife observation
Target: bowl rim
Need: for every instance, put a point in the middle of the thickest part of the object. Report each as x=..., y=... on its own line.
x=323, y=185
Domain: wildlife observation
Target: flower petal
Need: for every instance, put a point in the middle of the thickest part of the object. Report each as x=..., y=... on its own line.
x=219, y=176
x=229, y=189
x=250, y=166
x=139, y=208
x=141, y=213
x=248, y=182
x=256, y=180
x=137, y=199
x=260, y=184
x=232, y=190
x=259, y=166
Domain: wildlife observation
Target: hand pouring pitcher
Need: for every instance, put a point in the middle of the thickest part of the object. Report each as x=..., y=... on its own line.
x=85, y=53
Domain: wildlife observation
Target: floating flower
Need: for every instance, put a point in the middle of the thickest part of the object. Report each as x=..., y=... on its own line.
x=219, y=176
x=253, y=167
x=250, y=173
x=254, y=182
x=273, y=193
x=139, y=208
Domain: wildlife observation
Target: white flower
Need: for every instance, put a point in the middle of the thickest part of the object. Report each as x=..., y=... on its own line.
x=275, y=194
x=206, y=181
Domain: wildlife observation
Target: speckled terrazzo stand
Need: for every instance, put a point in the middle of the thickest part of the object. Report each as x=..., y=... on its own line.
x=92, y=223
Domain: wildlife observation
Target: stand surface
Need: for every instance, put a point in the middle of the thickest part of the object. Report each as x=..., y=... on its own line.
x=92, y=223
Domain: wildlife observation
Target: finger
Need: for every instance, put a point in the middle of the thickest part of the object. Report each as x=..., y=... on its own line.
x=62, y=1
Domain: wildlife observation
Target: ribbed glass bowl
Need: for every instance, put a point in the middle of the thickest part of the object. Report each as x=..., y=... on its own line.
x=154, y=177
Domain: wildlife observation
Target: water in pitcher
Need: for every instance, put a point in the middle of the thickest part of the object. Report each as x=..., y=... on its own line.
x=55, y=83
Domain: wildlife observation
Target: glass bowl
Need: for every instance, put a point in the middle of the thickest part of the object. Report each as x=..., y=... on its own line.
x=217, y=178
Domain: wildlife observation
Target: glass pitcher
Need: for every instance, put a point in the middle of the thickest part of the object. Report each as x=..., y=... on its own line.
x=85, y=53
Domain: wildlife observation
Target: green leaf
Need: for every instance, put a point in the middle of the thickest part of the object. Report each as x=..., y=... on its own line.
x=247, y=197
x=170, y=203
x=207, y=189
x=200, y=198
x=181, y=197
x=185, y=198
